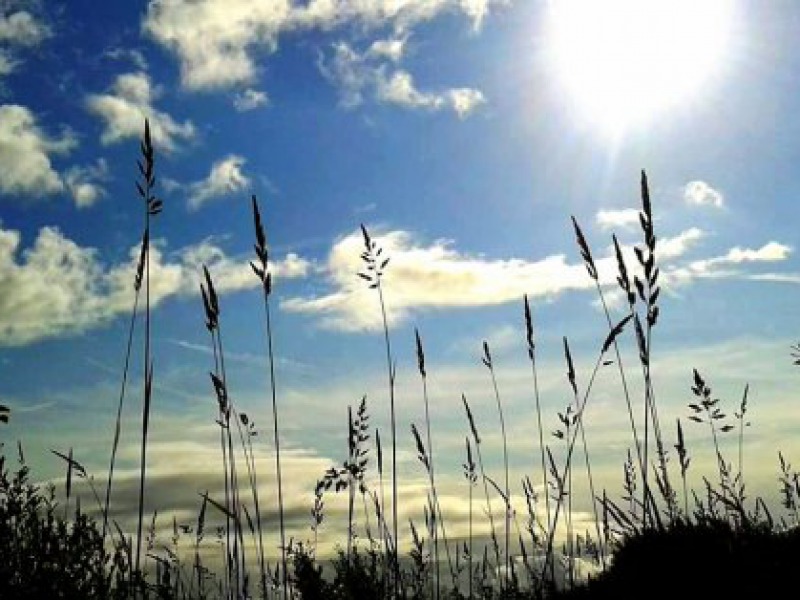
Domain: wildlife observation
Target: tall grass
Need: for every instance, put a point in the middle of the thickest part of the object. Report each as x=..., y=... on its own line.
x=477, y=440
x=265, y=277
x=373, y=272
x=506, y=493
x=372, y=567
x=531, y=348
x=137, y=286
x=152, y=207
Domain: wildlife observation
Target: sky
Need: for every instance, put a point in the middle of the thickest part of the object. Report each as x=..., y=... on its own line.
x=454, y=130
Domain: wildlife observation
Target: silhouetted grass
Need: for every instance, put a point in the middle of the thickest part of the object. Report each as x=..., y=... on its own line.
x=715, y=543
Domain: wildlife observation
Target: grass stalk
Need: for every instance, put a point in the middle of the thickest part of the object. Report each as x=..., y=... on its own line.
x=431, y=470
x=625, y=284
x=489, y=512
x=472, y=479
x=612, y=336
x=137, y=285
x=531, y=347
x=152, y=206
x=262, y=271
x=373, y=274
x=487, y=361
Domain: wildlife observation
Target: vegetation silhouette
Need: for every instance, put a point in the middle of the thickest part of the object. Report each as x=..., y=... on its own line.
x=680, y=542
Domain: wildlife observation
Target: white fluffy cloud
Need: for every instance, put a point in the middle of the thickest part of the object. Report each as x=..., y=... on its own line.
x=438, y=276
x=399, y=88
x=56, y=287
x=83, y=183
x=622, y=218
x=231, y=275
x=124, y=108
x=18, y=30
x=226, y=177
x=729, y=264
x=216, y=41
x=249, y=100
x=25, y=152
x=700, y=193
x=465, y=100
x=21, y=28
x=429, y=277
x=391, y=49
x=373, y=72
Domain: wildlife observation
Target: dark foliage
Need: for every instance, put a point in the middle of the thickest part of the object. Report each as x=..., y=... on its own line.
x=706, y=559
x=43, y=555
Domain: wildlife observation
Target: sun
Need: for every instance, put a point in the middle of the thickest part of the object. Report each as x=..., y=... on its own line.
x=627, y=61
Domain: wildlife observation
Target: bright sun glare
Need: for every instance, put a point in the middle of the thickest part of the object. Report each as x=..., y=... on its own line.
x=627, y=60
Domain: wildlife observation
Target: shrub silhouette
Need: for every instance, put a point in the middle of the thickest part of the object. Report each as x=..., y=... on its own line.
x=43, y=554
x=703, y=559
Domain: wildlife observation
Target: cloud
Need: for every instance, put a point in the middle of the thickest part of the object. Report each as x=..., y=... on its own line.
x=399, y=89
x=233, y=275
x=475, y=10
x=770, y=252
x=82, y=183
x=25, y=152
x=777, y=277
x=436, y=275
x=250, y=99
x=378, y=14
x=7, y=62
x=465, y=100
x=623, y=218
x=56, y=287
x=700, y=193
x=726, y=265
x=214, y=39
x=391, y=49
x=676, y=246
x=356, y=74
x=217, y=41
x=225, y=178
x=346, y=69
x=19, y=30
x=22, y=29
x=130, y=54
x=124, y=108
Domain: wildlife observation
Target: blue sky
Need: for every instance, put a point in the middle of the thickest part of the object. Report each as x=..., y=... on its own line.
x=447, y=128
